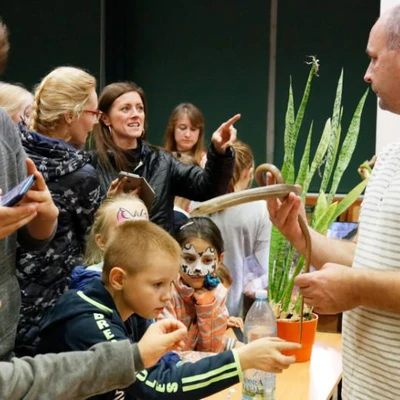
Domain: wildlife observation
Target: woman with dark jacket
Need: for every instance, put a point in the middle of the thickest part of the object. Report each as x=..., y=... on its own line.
x=65, y=109
x=121, y=145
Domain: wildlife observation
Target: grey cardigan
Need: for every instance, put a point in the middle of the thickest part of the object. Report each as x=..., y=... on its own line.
x=74, y=375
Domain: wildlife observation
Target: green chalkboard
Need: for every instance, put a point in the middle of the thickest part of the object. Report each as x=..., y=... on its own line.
x=212, y=53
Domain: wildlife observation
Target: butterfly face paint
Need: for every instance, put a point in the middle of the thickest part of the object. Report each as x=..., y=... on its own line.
x=198, y=264
x=125, y=215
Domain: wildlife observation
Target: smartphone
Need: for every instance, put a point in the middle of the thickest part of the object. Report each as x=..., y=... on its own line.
x=133, y=182
x=16, y=194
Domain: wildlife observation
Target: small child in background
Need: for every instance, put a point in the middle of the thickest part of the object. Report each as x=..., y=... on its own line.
x=111, y=213
x=226, y=278
x=198, y=297
x=181, y=205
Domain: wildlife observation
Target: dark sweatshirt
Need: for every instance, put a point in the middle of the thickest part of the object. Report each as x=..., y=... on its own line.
x=81, y=319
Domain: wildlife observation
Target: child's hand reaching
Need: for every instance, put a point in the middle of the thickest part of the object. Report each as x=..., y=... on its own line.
x=235, y=322
x=265, y=354
x=204, y=296
x=161, y=337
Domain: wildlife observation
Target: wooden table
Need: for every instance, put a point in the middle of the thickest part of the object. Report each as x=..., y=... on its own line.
x=313, y=380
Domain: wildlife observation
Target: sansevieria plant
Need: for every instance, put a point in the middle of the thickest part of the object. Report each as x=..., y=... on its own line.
x=331, y=160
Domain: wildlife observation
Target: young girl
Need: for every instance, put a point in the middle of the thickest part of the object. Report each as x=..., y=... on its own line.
x=185, y=132
x=246, y=229
x=198, y=297
x=113, y=212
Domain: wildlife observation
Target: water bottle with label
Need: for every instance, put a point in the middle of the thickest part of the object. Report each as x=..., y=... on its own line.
x=260, y=322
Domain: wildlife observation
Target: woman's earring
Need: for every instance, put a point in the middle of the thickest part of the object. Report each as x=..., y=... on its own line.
x=109, y=128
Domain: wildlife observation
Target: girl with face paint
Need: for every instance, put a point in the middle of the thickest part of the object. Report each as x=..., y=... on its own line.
x=113, y=212
x=198, y=297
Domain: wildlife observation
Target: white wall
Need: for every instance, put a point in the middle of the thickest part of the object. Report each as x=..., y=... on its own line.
x=387, y=124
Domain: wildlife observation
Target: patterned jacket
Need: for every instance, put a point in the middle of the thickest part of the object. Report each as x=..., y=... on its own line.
x=206, y=324
x=44, y=275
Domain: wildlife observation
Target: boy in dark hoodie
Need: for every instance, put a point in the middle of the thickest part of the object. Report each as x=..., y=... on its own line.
x=140, y=263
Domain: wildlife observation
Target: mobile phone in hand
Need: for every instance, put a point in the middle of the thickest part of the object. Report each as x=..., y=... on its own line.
x=16, y=194
x=133, y=181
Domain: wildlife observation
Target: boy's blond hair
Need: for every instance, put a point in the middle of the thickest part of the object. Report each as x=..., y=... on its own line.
x=133, y=245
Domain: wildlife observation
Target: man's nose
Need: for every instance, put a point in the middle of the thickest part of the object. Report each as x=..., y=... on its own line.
x=367, y=76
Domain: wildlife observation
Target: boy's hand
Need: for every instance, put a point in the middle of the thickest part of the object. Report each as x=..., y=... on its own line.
x=265, y=354
x=225, y=135
x=160, y=338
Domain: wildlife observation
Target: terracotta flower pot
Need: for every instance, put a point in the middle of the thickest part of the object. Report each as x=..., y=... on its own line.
x=290, y=331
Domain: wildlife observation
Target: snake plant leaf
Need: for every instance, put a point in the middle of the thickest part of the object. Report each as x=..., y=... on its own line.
x=287, y=169
x=348, y=145
x=332, y=150
x=349, y=199
x=319, y=153
x=278, y=246
x=302, y=107
x=323, y=222
x=320, y=207
x=304, y=167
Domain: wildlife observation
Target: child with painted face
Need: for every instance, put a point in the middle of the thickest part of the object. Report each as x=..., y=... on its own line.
x=113, y=211
x=198, y=297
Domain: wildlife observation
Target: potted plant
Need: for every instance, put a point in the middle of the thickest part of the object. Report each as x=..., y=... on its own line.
x=331, y=160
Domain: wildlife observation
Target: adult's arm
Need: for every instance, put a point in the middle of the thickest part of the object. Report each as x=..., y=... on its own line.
x=199, y=184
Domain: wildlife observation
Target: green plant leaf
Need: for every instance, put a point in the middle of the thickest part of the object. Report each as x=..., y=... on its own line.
x=319, y=153
x=323, y=222
x=348, y=146
x=290, y=136
x=304, y=167
x=335, y=136
x=349, y=199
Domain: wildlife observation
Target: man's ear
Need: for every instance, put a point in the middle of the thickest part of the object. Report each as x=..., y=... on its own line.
x=116, y=278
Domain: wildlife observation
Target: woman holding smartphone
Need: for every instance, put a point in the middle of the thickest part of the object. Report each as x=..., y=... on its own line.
x=64, y=111
x=121, y=145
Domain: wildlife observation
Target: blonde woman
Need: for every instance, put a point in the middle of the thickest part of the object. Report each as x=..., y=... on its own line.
x=16, y=101
x=64, y=111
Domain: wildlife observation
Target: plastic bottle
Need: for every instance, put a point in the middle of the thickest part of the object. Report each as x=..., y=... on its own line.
x=260, y=322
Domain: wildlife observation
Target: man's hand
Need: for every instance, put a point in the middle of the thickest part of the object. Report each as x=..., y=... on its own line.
x=225, y=135
x=284, y=215
x=330, y=290
x=160, y=338
x=265, y=354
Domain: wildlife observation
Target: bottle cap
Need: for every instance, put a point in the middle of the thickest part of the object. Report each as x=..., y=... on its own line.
x=261, y=294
